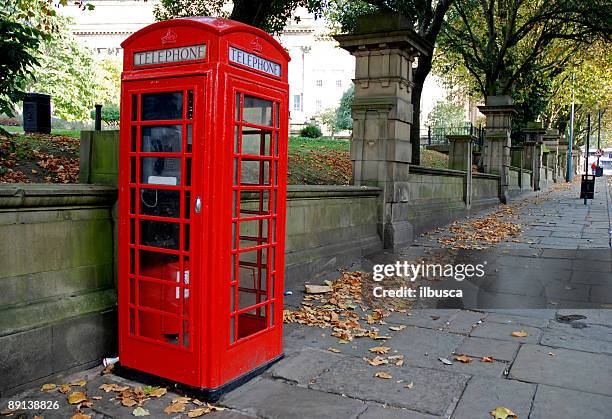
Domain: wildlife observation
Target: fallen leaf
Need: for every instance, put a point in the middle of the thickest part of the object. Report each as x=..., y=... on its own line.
x=502, y=413
x=197, y=402
x=80, y=415
x=175, y=408
x=383, y=375
x=157, y=392
x=140, y=411
x=47, y=387
x=335, y=350
x=397, y=328
x=64, y=388
x=399, y=363
x=445, y=361
x=113, y=387
x=195, y=413
x=317, y=289
x=97, y=398
x=380, y=349
x=79, y=383
x=487, y=359
x=181, y=399
x=376, y=361
x=552, y=354
x=519, y=334
x=6, y=412
x=463, y=358
x=77, y=397
x=127, y=402
x=409, y=386
x=108, y=369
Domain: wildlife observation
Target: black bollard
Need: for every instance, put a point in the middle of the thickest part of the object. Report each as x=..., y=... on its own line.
x=98, y=125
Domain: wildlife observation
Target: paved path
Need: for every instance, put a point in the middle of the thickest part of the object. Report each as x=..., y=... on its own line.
x=560, y=368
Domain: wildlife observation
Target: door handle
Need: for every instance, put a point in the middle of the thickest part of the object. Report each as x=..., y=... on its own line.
x=198, y=205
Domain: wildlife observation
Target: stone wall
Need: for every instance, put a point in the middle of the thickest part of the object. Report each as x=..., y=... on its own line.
x=57, y=290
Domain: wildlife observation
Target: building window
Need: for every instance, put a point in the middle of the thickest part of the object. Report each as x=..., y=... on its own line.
x=297, y=102
x=338, y=83
x=319, y=105
x=319, y=83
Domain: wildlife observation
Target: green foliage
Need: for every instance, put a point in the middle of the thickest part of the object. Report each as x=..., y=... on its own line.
x=269, y=15
x=328, y=119
x=344, y=119
x=311, y=131
x=19, y=42
x=446, y=113
x=110, y=114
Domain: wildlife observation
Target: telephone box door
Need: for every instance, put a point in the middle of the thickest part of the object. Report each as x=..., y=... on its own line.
x=257, y=195
x=162, y=194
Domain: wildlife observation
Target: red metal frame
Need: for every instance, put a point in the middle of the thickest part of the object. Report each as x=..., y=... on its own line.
x=203, y=306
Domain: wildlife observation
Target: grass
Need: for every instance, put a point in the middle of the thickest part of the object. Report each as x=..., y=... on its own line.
x=320, y=161
x=432, y=158
x=66, y=132
x=299, y=144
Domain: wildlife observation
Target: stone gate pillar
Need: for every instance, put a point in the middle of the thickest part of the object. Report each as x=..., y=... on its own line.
x=499, y=111
x=384, y=46
x=551, y=141
x=534, y=138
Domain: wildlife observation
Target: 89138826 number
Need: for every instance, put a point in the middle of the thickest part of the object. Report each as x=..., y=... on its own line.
x=33, y=405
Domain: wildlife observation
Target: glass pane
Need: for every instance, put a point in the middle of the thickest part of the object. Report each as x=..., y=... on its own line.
x=134, y=107
x=159, y=265
x=163, y=138
x=255, y=172
x=252, y=275
x=190, y=104
x=162, y=297
x=189, y=138
x=251, y=322
x=186, y=333
x=132, y=321
x=133, y=139
x=237, y=111
x=253, y=233
x=254, y=203
x=257, y=111
x=157, y=327
x=159, y=234
x=256, y=141
x=160, y=202
x=157, y=106
x=161, y=170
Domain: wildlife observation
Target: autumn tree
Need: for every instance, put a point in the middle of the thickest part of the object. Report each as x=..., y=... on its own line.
x=518, y=47
x=269, y=15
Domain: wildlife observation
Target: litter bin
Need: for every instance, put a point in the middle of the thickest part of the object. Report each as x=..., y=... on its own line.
x=587, y=187
x=37, y=113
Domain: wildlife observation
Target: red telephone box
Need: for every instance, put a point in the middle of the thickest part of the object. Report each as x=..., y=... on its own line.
x=203, y=169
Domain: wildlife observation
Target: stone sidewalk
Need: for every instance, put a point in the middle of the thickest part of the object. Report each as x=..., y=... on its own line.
x=561, y=366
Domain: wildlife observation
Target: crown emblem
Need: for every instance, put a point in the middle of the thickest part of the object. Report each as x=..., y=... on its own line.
x=169, y=37
x=256, y=45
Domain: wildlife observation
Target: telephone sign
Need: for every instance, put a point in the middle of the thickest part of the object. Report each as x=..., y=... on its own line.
x=202, y=191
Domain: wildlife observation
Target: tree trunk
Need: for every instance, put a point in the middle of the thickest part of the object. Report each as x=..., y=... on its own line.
x=251, y=12
x=419, y=75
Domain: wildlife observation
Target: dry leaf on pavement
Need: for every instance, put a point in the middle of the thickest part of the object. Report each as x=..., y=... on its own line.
x=445, y=361
x=47, y=387
x=463, y=358
x=64, y=388
x=127, y=402
x=502, y=413
x=77, y=397
x=79, y=383
x=140, y=411
x=175, y=408
x=409, y=386
x=196, y=413
x=380, y=349
x=317, y=289
x=80, y=415
x=376, y=361
x=383, y=375
x=335, y=350
x=487, y=359
x=519, y=334
x=397, y=328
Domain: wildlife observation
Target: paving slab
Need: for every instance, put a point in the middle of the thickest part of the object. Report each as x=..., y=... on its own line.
x=422, y=347
x=567, y=368
x=483, y=395
x=433, y=391
x=517, y=320
x=582, y=329
x=266, y=398
x=504, y=332
x=464, y=321
x=427, y=318
x=555, y=402
x=557, y=339
x=603, y=317
x=480, y=347
x=495, y=369
x=375, y=411
x=305, y=365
